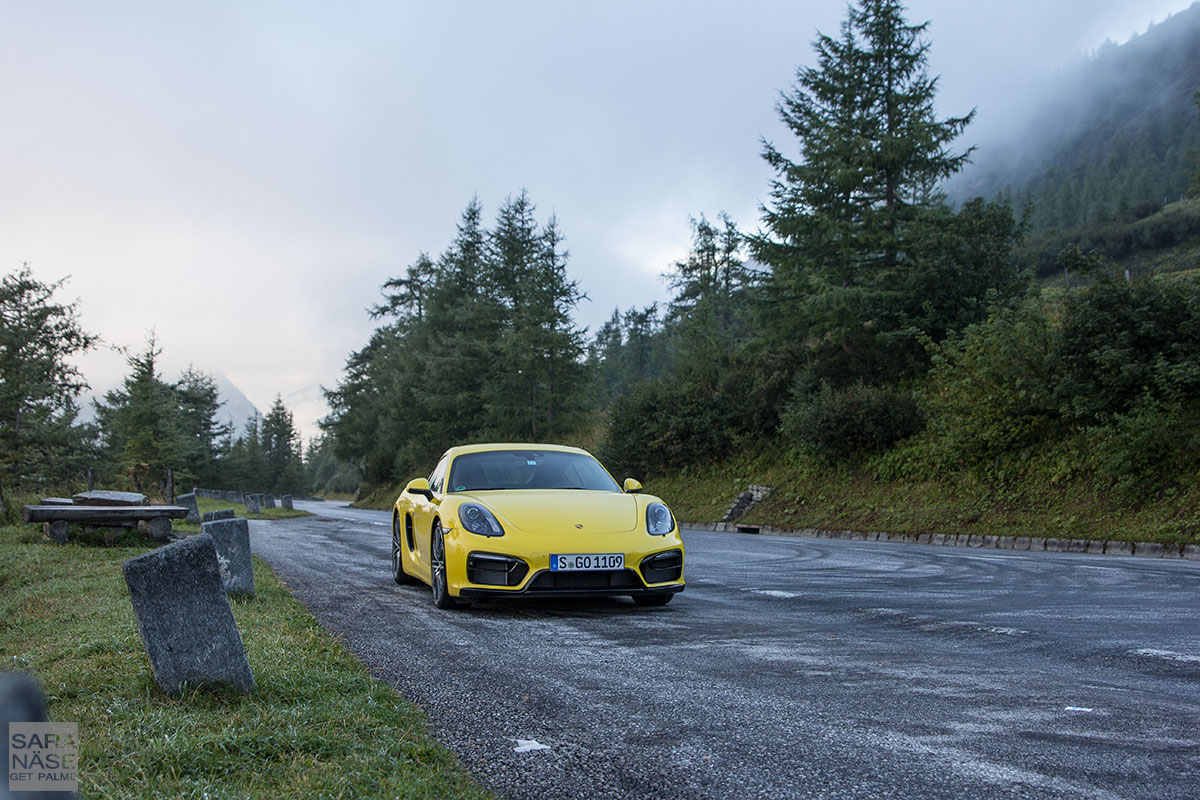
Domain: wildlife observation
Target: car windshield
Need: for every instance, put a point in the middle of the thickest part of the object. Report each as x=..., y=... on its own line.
x=529, y=469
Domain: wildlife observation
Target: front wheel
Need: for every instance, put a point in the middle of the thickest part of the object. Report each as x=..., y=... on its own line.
x=645, y=600
x=398, y=573
x=437, y=566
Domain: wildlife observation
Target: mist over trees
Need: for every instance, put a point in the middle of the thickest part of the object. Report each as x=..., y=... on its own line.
x=1116, y=138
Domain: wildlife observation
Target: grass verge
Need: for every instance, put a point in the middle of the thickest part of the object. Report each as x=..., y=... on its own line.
x=316, y=725
x=380, y=498
x=239, y=510
x=810, y=495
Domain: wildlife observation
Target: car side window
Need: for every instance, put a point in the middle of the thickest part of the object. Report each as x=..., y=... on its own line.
x=438, y=478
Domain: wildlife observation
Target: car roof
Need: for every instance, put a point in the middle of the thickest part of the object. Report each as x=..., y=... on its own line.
x=484, y=447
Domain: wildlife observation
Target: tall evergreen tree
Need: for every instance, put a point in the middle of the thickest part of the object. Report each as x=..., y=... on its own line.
x=851, y=224
x=140, y=423
x=281, y=449
x=478, y=343
x=538, y=370
x=40, y=442
x=199, y=401
x=708, y=312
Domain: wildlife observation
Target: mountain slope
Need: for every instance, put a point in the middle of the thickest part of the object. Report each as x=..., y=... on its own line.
x=1115, y=140
x=236, y=408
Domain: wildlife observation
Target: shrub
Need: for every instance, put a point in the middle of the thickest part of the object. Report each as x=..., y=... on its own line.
x=664, y=424
x=993, y=390
x=1150, y=448
x=844, y=424
x=1121, y=340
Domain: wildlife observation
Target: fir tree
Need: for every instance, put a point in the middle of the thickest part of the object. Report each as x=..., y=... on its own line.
x=852, y=223
x=40, y=442
x=140, y=423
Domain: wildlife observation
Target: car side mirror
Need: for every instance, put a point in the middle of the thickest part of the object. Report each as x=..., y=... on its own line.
x=419, y=486
x=631, y=486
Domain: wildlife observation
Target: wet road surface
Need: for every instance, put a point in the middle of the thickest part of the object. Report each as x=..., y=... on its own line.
x=790, y=668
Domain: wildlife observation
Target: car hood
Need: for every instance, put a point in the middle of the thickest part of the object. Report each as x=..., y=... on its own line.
x=560, y=510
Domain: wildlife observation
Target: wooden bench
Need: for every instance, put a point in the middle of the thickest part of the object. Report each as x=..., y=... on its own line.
x=155, y=520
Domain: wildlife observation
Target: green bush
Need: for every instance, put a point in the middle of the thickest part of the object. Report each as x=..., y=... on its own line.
x=1121, y=341
x=993, y=390
x=1153, y=447
x=665, y=424
x=843, y=424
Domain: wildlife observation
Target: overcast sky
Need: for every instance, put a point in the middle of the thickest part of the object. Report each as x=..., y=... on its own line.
x=242, y=176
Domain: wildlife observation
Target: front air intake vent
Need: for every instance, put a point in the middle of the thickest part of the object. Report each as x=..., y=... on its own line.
x=489, y=569
x=663, y=567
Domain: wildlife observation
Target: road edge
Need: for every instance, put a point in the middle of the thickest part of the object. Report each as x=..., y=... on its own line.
x=1190, y=552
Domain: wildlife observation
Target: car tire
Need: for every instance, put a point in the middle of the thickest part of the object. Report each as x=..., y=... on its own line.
x=398, y=573
x=647, y=600
x=437, y=571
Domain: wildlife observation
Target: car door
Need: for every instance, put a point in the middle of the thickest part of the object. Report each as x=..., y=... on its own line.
x=423, y=513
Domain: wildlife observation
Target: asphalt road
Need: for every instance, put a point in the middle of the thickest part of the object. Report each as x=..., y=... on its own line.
x=791, y=668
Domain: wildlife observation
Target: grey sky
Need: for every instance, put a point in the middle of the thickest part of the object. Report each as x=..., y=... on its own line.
x=243, y=176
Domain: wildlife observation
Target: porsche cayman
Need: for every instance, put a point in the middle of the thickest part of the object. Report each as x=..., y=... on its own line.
x=533, y=520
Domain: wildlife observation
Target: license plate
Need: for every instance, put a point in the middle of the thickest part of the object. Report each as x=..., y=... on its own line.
x=576, y=562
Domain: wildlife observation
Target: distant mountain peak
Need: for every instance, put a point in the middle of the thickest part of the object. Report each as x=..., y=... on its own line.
x=236, y=408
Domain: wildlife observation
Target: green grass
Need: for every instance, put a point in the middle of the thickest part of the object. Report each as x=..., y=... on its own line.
x=239, y=510
x=813, y=495
x=380, y=498
x=316, y=725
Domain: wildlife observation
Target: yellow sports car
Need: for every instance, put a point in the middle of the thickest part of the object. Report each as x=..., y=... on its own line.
x=533, y=520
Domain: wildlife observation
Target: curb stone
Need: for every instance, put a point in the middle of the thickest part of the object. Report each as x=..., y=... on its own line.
x=1031, y=543
x=1148, y=550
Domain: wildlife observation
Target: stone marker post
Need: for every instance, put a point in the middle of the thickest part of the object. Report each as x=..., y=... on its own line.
x=189, y=502
x=287, y=503
x=56, y=531
x=231, y=537
x=220, y=513
x=252, y=504
x=184, y=617
x=269, y=501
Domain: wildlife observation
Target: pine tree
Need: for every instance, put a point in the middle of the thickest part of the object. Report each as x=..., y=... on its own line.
x=850, y=223
x=140, y=423
x=199, y=401
x=537, y=371
x=40, y=442
x=708, y=312
x=281, y=449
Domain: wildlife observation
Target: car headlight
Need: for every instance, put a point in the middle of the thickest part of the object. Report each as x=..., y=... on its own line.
x=659, y=521
x=478, y=519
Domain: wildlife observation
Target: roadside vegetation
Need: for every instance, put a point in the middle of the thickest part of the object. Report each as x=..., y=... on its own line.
x=316, y=725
